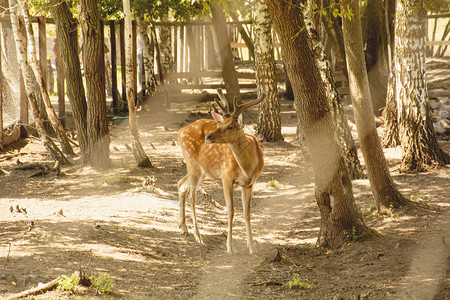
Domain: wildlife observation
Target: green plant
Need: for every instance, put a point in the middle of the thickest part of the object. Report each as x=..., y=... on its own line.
x=273, y=183
x=103, y=284
x=351, y=235
x=68, y=283
x=297, y=283
x=417, y=198
x=376, y=214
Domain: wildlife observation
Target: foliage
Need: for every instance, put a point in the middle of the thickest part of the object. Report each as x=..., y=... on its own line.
x=68, y=283
x=352, y=235
x=273, y=183
x=103, y=284
x=297, y=283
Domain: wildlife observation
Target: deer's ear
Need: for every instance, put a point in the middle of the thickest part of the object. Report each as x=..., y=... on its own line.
x=217, y=117
x=240, y=120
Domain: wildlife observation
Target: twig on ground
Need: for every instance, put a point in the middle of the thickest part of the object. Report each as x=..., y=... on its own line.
x=7, y=256
x=211, y=200
x=286, y=254
x=41, y=288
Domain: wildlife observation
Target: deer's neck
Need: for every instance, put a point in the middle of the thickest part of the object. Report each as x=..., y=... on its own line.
x=244, y=153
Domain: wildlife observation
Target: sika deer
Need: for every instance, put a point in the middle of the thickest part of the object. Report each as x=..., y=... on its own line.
x=221, y=150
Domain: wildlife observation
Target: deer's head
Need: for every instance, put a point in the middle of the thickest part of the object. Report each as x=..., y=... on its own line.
x=230, y=123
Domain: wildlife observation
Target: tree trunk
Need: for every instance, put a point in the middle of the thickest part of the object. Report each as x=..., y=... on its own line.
x=375, y=39
x=27, y=74
x=247, y=39
x=9, y=80
x=269, y=117
x=165, y=46
x=66, y=32
x=390, y=132
x=383, y=188
x=417, y=136
x=94, y=71
x=138, y=151
x=228, y=69
x=149, y=63
x=56, y=123
x=344, y=133
x=334, y=35
x=340, y=219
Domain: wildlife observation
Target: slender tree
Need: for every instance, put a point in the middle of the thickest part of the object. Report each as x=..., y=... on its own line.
x=383, y=188
x=66, y=32
x=416, y=133
x=165, y=45
x=94, y=71
x=138, y=151
x=56, y=123
x=148, y=57
x=334, y=195
x=28, y=77
x=344, y=133
x=269, y=117
x=228, y=68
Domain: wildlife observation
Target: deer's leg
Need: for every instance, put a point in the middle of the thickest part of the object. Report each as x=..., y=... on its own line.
x=194, y=182
x=228, y=193
x=183, y=189
x=246, y=204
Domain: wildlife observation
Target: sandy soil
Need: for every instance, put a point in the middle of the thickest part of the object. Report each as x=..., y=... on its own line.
x=123, y=223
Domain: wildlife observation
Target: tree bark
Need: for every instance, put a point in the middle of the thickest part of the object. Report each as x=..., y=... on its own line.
x=390, y=132
x=56, y=123
x=94, y=71
x=383, y=188
x=66, y=32
x=340, y=219
x=269, y=117
x=165, y=46
x=9, y=79
x=149, y=64
x=344, y=133
x=228, y=69
x=27, y=74
x=138, y=151
x=416, y=132
x=375, y=41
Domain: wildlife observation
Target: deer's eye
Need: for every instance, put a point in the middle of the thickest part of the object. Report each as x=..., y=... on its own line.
x=229, y=127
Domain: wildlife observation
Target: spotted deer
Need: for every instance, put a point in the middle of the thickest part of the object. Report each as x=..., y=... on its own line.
x=221, y=150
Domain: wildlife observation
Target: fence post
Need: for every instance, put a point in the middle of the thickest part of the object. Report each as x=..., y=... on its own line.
x=112, y=30
x=122, y=60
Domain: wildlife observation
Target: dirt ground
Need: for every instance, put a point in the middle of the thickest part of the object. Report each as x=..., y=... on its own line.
x=123, y=223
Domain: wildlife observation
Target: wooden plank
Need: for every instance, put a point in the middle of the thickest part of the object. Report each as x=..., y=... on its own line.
x=339, y=76
x=443, y=15
x=437, y=43
x=184, y=86
x=197, y=23
x=344, y=91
